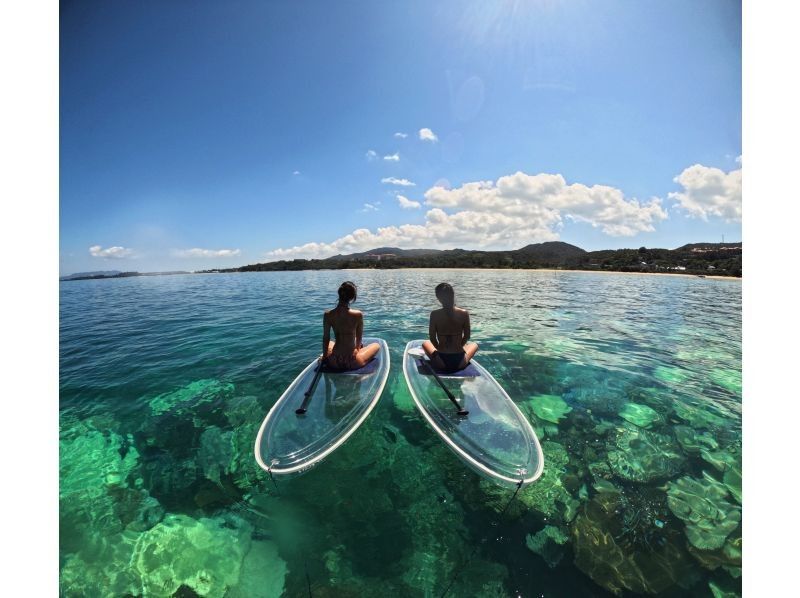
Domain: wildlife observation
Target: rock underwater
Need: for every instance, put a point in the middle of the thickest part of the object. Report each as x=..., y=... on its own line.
x=205, y=555
x=189, y=396
x=639, y=415
x=102, y=509
x=547, y=496
x=550, y=408
x=703, y=506
x=692, y=441
x=621, y=549
x=548, y=543
x=639, y=455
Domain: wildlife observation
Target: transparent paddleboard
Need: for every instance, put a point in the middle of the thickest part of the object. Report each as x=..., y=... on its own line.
x=291, y=443
x=494, y=439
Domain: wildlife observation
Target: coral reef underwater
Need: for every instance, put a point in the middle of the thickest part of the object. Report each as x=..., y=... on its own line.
x=639, y=503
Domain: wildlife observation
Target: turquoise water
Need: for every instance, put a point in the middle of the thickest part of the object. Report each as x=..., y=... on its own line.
x=632, y=382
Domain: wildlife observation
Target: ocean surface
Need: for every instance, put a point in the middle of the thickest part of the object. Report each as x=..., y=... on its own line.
x=632, y=383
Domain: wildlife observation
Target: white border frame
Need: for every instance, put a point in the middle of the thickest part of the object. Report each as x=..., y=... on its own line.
x=308, y=464
x=460, y=452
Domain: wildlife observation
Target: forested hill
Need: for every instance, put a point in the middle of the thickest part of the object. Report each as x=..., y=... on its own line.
x=385, y=252
x=697, y=258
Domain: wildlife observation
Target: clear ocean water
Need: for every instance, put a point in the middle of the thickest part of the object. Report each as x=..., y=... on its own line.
x=632, y=383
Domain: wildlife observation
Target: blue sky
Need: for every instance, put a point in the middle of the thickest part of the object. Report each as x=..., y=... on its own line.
x=208, y=134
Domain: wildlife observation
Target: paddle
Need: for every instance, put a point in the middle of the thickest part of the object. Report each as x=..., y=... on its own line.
x=461, y=410
x=310, y=392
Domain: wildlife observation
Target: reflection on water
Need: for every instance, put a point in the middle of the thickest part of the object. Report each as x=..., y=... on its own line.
x=633, y=384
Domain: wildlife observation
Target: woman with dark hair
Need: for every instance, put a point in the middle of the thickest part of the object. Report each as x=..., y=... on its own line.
x=449, y=331
x=347, y=353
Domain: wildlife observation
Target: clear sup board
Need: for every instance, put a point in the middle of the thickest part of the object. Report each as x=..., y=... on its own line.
x=495, y=439
x=289, y=443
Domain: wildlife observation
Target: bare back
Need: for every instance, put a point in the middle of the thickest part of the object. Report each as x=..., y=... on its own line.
x=347, y=325
x=449, y=329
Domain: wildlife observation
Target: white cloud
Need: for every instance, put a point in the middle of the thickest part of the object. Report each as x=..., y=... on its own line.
x=197, y=252
x=408, y=204
x=393, y=158
x=443, y=230
x=371, y=155
x=516, y=210
x=296, y=172
x=709, y=191
x=111, y=252
x=395, y=181
x=401, y=135
x=738, y=159
x=545, y=198
x=368, y=207
x=427, y=135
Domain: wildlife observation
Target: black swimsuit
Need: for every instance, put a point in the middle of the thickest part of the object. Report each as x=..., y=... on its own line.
x=452, y=361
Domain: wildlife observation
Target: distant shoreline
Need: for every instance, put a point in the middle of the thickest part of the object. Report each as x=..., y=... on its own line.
x=554, y=270
x=716, y=260
x=712, y=276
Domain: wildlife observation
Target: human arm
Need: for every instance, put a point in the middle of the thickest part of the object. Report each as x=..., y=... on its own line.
x=432, y=332
x=467, y=330
x=326, y=335
x=359, y=330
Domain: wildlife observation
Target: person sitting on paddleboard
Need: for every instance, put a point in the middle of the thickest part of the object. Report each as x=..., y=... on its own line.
x=347, y=352
x=449, y=331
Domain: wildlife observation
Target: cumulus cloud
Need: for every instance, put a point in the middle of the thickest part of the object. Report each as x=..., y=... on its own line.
x=401, y=135
x=111, y=252
x=545, y=198
x=368, y=207
x=513, y=211
x=395, y=181
x=296, y=172
x=197, y=252
x=408, y=204
x=710, y=191
x=440, y=230
x=427, y=135
x=393, y=158
x=371, y=155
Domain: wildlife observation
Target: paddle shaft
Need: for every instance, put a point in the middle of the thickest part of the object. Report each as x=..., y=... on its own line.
x=310, y=392
x=461, y=410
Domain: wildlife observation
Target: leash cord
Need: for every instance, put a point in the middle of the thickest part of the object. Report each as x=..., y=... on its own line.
x=474, y=550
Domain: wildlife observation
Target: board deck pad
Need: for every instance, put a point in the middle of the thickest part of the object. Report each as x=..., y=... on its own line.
x=495, y=439
x=368, y=368
x=468, y=372
x=289, y=443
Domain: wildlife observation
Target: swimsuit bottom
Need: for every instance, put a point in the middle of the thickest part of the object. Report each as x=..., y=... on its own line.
x=338, y=361
x=452, y=361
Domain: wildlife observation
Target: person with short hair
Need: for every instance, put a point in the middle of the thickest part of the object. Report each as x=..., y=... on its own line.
x=449, y=348
x=347, y=352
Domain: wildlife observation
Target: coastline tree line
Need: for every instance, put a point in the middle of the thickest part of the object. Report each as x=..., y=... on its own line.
x=698, y=259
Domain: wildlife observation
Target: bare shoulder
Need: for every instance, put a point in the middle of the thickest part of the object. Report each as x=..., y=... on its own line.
x=462, y=312
x=357, y=313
